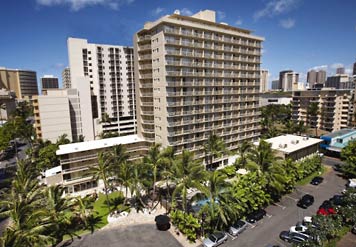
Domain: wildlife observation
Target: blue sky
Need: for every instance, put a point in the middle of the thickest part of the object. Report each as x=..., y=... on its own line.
x=300, y=34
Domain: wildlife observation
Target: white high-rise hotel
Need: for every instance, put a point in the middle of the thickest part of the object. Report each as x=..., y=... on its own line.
x=195, y=77
x=107, y=72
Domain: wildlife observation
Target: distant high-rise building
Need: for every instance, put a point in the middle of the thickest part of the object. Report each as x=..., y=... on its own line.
x=340, y=70
x=275, y=85
x=321, y=76
x=339, y=81
x=289, y=80
x=66, y=78
x=22, y=82
x=354, y=69
x=264, y=81
x=314, y=77
x=281, y=76
x=108, y=72
x=48, y=82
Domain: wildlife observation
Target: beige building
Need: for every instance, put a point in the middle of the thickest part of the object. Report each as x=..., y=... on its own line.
x=195, y=77
x=22, y=82
x=7, y=104
x=264, y=81
x=77, y=158
x=108, y=72
x=66, y=78
x=334, y=108
x=290, y=81
x=52, y=115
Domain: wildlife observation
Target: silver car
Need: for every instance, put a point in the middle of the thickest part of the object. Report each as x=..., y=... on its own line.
x=238, y=227
x=215, y=239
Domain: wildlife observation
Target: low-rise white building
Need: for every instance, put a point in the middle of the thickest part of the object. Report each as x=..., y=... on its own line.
x=77, y=158
x=293, y=146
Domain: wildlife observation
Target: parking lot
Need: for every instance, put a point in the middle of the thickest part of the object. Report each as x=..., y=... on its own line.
x=285, y=213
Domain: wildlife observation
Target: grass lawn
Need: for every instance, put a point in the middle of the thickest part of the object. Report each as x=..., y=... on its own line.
x=307, y=179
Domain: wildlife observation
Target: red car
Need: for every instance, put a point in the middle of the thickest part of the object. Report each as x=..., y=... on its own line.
x=326, y=211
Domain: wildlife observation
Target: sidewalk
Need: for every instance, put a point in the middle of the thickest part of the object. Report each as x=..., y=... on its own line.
x=347, y=241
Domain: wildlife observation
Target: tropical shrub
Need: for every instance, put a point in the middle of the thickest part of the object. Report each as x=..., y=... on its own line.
x=186, y=223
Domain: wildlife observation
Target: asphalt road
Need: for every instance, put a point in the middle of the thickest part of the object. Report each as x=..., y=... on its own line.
x=132, y=236
x=285, y=214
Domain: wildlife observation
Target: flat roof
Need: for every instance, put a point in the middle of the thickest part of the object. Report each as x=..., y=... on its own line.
x=290, y=143
x=341, y=133
x=97, y=144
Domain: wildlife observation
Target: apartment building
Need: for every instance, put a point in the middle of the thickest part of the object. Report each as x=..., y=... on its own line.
x=289, y=80
x=66, y=78
x=77, y=158
x=335, y=108
x=7, y=104
x=48, y=82
x=264, y=81
x=22, y=82
x=316, y=77
x=195, y=77
x=107, y=70
x=59, y=112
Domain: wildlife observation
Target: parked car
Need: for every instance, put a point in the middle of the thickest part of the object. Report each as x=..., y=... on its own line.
x=292, y=237
x=215, y=239
x=326, y=208
x=306, y=201
x=337, y=200
x=317, y=180
x=353, y=230
x=299, y=228
x=256, y=216
x=337, y=167
x=308, y=222
x=238, y=227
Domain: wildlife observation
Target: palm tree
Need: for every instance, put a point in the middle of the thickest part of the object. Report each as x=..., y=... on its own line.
x=103, y=171
x=124, y=176
x=105, y=118
x=262, y=155
x=58, y=209
x=153, y=159
x=220, y=207
x=139, y=182
x=243, y=150
x=187, y=173
x=62, y=139
x=214, y=147
x=312, y=114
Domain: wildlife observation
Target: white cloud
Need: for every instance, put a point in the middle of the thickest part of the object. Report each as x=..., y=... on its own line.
x=221, y=15
x=157, y=11
x=76, y=5
x=320, y=67
x=336, y=65
x=238, y=22
x=186, y=11
x=287, y=23
x=276, y=7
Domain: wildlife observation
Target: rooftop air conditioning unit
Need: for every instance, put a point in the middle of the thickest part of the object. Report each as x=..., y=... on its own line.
x=285, y=146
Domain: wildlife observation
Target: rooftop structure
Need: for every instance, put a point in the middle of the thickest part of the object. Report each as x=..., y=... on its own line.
x=336, y=141
x=293, y=146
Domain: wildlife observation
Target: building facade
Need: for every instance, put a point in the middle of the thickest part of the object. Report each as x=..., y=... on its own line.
x=335, y=108
x=48, y=82
x=195, y=77
x=334, y=142
x=77, y=158
x=340, y=70
x=66, y=78
x=274, y=99
x=108, y=72
x=22, y=82
x=7, y=104
x=289, y=80
x=316, y=77
x=264, y=81
x=339, y=81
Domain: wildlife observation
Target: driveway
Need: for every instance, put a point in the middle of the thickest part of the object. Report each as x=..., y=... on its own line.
x=284, y=214
x=128, y=236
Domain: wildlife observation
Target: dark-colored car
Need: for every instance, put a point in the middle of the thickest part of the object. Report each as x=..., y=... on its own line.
x=337, y=167
x=306, y=201
x=317, y=180
x=292, y=237
x=256, y=216
x=337, y=200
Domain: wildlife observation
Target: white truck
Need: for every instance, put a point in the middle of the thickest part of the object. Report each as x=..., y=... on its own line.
x=352, y=183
